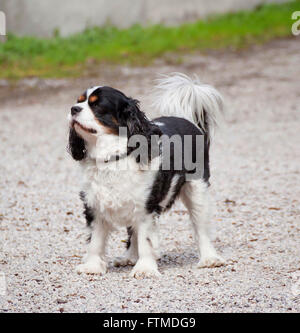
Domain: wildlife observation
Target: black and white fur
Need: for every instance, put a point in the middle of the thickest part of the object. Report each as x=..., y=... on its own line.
x=135, y=198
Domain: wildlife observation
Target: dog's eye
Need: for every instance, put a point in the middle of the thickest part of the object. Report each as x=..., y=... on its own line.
x=81, y=99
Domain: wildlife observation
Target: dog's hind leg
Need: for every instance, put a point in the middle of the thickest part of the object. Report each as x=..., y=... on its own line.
x=194, y=195
x=131, y=255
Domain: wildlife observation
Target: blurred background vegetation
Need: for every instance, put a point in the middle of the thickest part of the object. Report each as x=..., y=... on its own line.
x=69, y=56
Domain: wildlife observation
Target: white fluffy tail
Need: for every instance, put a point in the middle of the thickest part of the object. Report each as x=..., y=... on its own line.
x=180, y=96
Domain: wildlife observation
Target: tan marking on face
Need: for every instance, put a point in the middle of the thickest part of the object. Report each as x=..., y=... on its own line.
x=93, y=98
x=115, y=121
x=107, y=129
x=81, y=98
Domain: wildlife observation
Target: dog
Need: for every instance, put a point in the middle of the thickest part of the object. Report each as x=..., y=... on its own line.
x=132, y=196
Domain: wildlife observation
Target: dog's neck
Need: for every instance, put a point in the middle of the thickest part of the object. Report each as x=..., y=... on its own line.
x=107, y=148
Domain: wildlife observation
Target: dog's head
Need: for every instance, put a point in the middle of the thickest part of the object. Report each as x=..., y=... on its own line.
x=102, y=111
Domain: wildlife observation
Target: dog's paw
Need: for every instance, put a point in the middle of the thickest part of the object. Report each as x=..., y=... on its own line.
x=215, y=261
x=144, y=270
x=95, y=266
x=124, y=261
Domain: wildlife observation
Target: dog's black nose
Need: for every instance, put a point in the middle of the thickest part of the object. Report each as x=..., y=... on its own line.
x=75, y=109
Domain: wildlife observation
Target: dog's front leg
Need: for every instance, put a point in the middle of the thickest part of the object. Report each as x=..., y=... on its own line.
x=131, y=255
x=147, y=240
x=94, y=260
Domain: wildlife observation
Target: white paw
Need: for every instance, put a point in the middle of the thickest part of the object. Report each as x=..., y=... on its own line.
x=94, y=266
x=124, y=261
x=214, y=261
x=144, y=269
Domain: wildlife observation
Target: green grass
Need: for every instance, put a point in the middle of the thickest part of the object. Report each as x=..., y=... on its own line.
x=70, y=56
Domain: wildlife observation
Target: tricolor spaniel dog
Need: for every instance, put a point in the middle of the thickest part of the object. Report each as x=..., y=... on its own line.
x=123, y=188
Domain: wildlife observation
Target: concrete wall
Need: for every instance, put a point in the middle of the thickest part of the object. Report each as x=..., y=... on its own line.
x=42, y=17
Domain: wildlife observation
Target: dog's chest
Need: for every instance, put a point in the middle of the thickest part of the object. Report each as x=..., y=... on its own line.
x=118, y=195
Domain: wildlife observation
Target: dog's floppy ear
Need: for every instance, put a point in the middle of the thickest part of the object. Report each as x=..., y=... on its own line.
x=138, y=124
x=135, y=119
x=76, y=145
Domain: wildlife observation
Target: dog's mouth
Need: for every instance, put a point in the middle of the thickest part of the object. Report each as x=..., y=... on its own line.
x=86, y=129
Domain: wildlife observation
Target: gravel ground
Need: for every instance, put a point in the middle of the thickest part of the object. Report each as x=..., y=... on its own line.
x=255, y=183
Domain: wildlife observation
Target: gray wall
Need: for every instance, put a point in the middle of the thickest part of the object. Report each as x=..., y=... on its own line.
x=42, y=17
